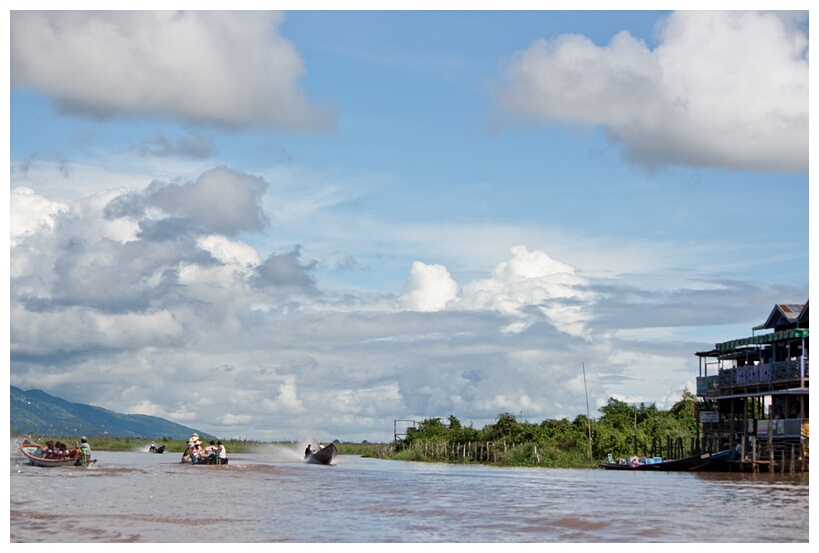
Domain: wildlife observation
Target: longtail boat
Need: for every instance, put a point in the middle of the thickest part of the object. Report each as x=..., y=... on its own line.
x=35, y=454
x=692, y=462
x=323, y=456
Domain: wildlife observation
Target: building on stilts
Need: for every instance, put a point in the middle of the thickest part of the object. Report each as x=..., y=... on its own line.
x=753, y=394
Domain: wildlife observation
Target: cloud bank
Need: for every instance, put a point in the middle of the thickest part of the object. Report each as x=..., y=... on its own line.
x=135, y=301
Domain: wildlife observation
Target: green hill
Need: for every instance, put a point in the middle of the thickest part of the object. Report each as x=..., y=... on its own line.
x=36, y=412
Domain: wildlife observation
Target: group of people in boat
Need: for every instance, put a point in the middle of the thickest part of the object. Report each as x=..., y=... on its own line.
x=211, y=454
x=58, y=450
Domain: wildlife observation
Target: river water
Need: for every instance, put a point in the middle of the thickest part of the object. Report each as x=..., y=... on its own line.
x=273, y=496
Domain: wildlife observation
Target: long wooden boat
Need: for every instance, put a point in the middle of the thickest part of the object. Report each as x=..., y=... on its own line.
x=160, y=449
x=323, y=456
x=722, y=461
x=693, y=462
x=34, y=453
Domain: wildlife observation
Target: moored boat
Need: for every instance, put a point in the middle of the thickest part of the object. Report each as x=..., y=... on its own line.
x=692, y=462
x=37, y=457
x=323, y=456
x=723, y=461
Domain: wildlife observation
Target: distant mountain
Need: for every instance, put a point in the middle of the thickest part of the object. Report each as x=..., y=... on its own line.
x=36, y=412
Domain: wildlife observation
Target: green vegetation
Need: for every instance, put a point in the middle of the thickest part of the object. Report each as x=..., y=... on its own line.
x=557, y=443
x=362, y=449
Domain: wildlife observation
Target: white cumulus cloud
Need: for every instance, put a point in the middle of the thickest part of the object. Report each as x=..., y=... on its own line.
x=721, y=89
x=428, y=288
x=228, y=68
x=31, y=213
x=532, y=279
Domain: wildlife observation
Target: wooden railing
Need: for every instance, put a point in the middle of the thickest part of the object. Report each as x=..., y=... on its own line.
x=763, y=373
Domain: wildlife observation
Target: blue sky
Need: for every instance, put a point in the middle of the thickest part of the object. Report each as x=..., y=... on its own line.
x=308, y=224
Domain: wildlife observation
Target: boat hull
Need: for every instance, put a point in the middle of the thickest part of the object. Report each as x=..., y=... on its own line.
x=694, y=462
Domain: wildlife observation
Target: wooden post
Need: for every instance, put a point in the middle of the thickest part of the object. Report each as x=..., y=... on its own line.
x=771, y=467
x=754, y=459
x=802, y=453
x=744, y=429
x=793, y=460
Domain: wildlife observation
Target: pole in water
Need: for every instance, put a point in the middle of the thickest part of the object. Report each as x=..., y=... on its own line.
x=588, y=414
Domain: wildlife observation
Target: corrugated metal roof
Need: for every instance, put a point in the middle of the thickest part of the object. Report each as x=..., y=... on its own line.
x=803, y=316
x=782, y=314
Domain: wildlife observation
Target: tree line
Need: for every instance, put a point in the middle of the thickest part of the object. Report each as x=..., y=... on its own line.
x=622, y=429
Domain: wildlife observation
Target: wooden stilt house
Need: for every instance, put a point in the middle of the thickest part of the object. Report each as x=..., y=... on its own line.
x=754, y=394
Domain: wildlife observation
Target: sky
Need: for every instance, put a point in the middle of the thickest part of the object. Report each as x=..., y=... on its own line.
x=312, y=224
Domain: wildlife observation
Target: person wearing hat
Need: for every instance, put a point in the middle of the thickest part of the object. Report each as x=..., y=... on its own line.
x=85, y=452
x=196, y=449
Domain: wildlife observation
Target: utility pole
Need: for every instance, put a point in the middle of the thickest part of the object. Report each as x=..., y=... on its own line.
x=588, y=414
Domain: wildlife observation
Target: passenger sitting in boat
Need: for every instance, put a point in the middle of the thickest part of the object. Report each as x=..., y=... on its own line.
x=736, y=450
x=309, y=450
x=49, y=450
x=59, y=450
x=222, y=453
x=210, y=452
x=197, y=452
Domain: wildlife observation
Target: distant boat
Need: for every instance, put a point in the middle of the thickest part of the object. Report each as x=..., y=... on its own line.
x=692, y=462
x=36, y=456
x=323, y=456
x=154, y=449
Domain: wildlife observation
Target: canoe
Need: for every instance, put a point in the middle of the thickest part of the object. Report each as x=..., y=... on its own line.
x=34, y=453
x=323, y=456
x=692, y=462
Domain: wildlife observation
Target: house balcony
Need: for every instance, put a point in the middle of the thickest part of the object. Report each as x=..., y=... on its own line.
x=755, y=379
